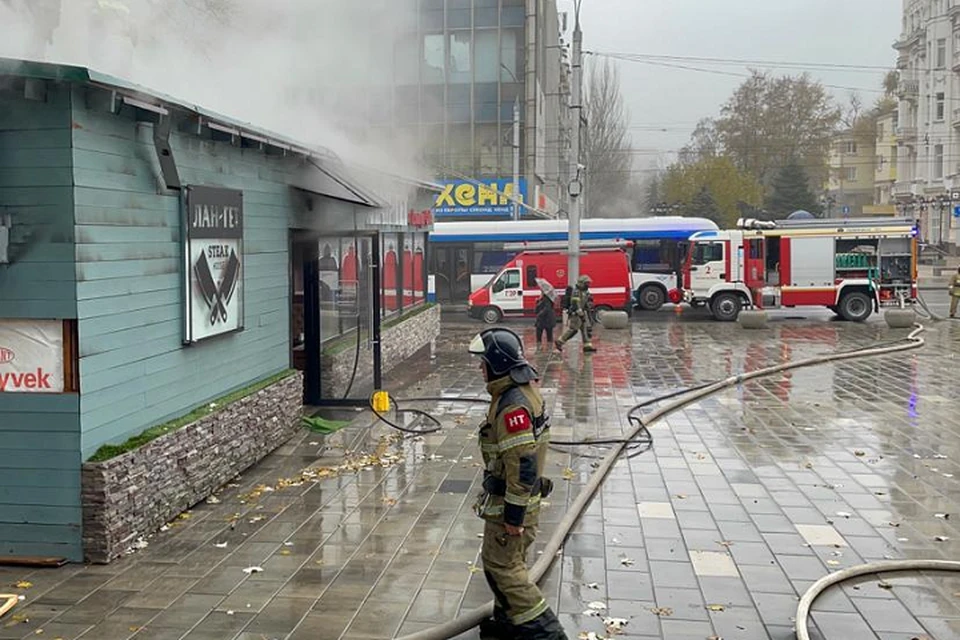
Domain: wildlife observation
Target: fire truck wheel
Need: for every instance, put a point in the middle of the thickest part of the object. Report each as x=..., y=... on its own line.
x=855, y=306
x=651, y=297
x=726, y=306
x=491, y=315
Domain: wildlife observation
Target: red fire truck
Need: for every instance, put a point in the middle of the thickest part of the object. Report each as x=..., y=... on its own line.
x=852, y=267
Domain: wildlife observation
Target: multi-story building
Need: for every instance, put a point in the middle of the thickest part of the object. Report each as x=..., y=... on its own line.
x=928, y=130
x=850, y=183
x=445, y=83
x=885, y=171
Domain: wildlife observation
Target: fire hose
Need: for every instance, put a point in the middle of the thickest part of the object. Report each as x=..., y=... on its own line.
x=473, y=617
x=11, y=599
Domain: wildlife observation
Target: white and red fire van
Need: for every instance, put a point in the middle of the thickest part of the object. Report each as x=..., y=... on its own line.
x=513, y=292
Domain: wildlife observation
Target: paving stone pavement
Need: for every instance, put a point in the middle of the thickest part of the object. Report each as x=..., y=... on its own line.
x=744, y=501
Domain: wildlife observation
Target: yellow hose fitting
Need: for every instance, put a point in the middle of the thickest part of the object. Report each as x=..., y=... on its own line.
x=380, y=401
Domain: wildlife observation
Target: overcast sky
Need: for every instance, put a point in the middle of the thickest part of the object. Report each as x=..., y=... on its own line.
x=854, y=32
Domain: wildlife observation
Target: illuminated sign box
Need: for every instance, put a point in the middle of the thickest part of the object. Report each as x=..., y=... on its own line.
x=489, y=198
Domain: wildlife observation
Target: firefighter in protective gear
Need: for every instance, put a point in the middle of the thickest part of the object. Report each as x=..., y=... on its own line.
x=581, y=316
x=954, y=294
x=513, y=441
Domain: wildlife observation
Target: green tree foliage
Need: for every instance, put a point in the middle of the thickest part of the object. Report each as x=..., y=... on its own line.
x=721, y=180
x=770, y=120
x=791, y=191
x=704, y=206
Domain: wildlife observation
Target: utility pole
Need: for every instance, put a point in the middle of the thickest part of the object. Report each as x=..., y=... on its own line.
x=516, y=158
x=576, y=185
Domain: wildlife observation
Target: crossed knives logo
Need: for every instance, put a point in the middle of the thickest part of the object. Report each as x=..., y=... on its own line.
x=217, y=296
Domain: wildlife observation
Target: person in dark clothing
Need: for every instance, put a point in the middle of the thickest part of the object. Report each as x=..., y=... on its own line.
x=546, y=319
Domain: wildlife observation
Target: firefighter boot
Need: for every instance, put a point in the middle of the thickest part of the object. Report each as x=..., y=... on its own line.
x=559, y=345
x=496, y=628
x=544, y=627
x=588, y=347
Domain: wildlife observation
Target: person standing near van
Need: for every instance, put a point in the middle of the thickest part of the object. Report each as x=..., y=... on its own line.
x=581, y=303
x=546, y=318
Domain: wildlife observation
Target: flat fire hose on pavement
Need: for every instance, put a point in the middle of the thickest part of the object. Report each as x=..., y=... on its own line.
x=10, y=601
x=473, y=617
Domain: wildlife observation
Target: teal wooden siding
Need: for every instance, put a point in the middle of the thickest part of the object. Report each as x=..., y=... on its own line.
x=40, y=511
x=135, y=371
x=36, y=191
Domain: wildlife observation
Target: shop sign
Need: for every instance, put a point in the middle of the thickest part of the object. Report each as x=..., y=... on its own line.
x=490, y=198
x=419, y=219
x=31, y=356
x=213, y=268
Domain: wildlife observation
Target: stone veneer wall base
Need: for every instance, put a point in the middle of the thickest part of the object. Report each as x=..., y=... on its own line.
x=136, y=493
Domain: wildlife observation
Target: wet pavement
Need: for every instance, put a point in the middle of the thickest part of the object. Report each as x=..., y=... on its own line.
x=744, y=501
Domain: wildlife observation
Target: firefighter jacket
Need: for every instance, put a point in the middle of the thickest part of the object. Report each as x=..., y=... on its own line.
x=581, y=302
x=513, y=441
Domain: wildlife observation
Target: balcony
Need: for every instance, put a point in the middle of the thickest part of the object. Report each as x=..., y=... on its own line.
x=906, y=135
x=956, y=118
x=908, y=89
x=902, y=188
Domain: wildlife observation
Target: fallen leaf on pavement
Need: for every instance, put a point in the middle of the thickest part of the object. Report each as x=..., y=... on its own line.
x=614, y=625
x=716, y=607
x=625, y=561
x=665, y=612
x=568, y=474
x=23, y=584
x=252, y=570
x=597, y=606
x=884, y=585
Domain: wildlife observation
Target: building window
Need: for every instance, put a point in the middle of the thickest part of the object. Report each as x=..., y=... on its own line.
x=938, y=161
x=849, y=174
x=460, y=58
x=432, y=60
x=850, y=147
x=940, y=106
x=486, y=13
x=486, y=51
x=511, y=63
x=513, y=13
x=941, y=53
x=880, y=131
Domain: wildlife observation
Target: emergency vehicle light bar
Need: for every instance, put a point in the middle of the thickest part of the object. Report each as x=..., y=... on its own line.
x=554, y=245
x=825, y=223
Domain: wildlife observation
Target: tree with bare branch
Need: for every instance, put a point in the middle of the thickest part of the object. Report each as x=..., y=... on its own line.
x=606, y=145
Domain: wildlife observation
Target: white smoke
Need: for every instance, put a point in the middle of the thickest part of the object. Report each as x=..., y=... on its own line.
x=301, y=68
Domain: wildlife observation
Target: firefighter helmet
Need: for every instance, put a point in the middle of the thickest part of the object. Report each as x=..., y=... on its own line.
x=502, y=352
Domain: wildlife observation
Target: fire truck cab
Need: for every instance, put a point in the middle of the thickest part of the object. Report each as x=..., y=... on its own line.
x=852, y=267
